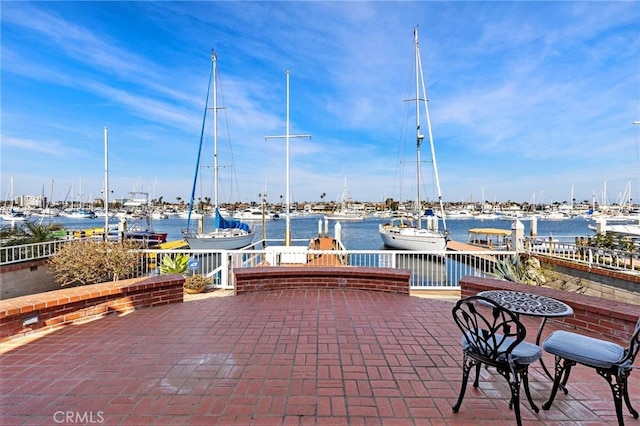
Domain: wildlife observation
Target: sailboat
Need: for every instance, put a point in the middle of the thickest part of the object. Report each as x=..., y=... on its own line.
x=407, y=233
x=226, y=234
x=345, y=210
x=11, y=213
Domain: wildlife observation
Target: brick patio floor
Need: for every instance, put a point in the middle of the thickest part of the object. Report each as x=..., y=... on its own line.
x=318, y=357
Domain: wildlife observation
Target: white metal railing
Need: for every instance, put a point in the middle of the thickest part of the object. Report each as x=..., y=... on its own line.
x=27, y=252
x=429, y=271
x=621, y=260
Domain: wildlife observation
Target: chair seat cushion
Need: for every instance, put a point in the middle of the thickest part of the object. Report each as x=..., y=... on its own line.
x=583, y=349
x=524, y=353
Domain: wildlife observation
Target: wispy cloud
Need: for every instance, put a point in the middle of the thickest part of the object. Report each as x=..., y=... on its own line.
x=522, y=94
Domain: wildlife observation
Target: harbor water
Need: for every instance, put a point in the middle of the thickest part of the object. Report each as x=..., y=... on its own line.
x=358, y=235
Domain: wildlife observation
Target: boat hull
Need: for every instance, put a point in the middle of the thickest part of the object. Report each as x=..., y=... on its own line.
x=344, y=217
x=413, y=239
x=220, y=241
x=14, y=218
x=255, y=217
x=151, y=238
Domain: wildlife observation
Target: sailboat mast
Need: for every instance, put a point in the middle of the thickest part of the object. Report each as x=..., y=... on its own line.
x=204, y=120
x=287, y=235
x=287, y=137
x=214, y=58
x=433, y=150
x=419, y=136
x=106, y=183
x=51, y=201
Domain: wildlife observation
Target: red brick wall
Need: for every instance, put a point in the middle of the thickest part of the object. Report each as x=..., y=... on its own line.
x=610, y=318
x=342, y=277
x=80, y=304
x=619, y=275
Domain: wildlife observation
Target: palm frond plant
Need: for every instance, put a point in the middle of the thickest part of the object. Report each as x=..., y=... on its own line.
x=29, y=233
x=174, y=264
x=513, y=269
x=509, y=268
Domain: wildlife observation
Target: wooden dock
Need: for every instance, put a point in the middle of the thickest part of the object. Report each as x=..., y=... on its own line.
x=482, y=261
x=458, y=246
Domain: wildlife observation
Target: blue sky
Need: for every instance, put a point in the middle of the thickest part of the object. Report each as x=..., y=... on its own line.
x=529, y=101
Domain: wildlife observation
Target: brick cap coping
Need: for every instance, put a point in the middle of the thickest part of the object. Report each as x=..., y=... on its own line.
x=352, y=277
x=25, y=304
x=327, y=271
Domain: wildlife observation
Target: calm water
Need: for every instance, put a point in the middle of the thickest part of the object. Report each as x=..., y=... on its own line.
x=356, y=235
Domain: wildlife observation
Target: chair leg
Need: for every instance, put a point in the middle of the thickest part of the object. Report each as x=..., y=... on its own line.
x=515, y=390
x=562, y=371
x=625, y=393
x=618, y=389
x=467, y=365
x=563, y=384
x=476, y=381
x=527, y=391
x=515, y=393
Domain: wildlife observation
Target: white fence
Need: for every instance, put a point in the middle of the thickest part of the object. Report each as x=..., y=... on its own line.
x=27, y=252
x=627, y=261
x=429, y=270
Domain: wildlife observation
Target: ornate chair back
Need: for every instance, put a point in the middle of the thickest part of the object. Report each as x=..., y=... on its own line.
x=494, y=336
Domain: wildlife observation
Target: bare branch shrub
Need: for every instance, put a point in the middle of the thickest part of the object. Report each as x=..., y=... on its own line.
x=90, y=262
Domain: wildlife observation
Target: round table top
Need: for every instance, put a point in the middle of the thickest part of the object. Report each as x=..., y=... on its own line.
x=528, y=304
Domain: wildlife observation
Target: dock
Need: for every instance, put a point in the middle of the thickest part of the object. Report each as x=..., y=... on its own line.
x=458, y=246
x=482, y=261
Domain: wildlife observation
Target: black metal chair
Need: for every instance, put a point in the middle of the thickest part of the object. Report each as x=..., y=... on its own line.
x=494, y=336
x=609, y=359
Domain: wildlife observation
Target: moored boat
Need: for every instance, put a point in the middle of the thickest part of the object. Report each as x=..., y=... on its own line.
x=254, y=214
x=159, y=214
x=631, y=230
x=226, y=234
x=401, y=233
x=142, y=232
x=458, y=214
x=345, y=209
x=80, y=213
x=345, y=215
x=13, y=215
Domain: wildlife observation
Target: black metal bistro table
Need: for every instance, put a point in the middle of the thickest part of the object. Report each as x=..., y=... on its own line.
x=534, y=305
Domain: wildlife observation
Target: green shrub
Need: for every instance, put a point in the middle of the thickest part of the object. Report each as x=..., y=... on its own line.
x=513, y=269
x=29, y=233
x=174, y=264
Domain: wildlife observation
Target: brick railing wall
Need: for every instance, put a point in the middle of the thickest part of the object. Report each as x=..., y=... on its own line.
x=298, y=277
x=45, y=311
x=612, y=319
x=30, y=277
x=616, y=278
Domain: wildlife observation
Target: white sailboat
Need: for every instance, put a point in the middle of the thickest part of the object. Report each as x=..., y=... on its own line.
x=226, y=234
x=11, y=213
x=255, y=214
x=407, y=233
x=345, y=210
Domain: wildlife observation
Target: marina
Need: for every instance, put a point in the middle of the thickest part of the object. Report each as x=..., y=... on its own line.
x=211, y=274
x=356, y=235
